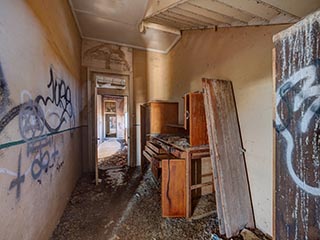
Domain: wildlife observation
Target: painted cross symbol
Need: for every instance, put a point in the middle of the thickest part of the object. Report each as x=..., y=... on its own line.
x=20, y=179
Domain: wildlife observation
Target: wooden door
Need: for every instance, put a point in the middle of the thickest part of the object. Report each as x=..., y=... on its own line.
x=231, y=181
x=297, y=131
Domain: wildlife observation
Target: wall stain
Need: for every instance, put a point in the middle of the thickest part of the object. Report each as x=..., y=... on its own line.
x=4, y=92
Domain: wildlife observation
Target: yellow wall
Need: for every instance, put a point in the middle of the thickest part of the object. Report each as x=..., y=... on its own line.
x=243, y=55
x=40, y=158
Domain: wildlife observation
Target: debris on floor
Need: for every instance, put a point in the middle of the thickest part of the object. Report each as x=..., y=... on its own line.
x=129, y=208
x=248, y=235
x=118, y=159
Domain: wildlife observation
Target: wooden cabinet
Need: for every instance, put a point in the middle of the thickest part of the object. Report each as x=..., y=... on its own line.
x=155, y=118
x=161, y=114
x=195, y=119
x=173, y=188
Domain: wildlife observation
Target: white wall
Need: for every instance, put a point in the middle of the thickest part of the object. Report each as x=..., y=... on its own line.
x=40, y=131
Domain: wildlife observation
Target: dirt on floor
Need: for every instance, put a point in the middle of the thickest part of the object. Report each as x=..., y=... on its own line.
x=127, y=205
x=116, y=160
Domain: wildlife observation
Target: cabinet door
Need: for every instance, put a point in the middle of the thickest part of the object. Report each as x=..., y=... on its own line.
x=186, y=111
x=197, y=120
x=162, y=114
x=173, y=188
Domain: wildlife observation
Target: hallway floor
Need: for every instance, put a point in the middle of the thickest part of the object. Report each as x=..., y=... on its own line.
x=125, y=205
x=112, y=153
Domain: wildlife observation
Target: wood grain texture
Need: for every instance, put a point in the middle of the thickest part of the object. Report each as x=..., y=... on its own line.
x=216, y=182
x=173, y=188
x=161, y=114
x=228, y=156
x=197, y=120
x=297, y=131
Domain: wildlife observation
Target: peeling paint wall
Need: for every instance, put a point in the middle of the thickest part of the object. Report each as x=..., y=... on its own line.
x=40, y=117
x=244, y=56
x=101, y=55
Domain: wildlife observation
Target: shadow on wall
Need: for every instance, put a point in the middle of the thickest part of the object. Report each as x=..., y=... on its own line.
x=4, y=92
x=38, y=119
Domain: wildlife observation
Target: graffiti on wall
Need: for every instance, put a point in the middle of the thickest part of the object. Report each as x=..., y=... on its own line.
x=31, y=113
x=310, y=91
x=38, y=118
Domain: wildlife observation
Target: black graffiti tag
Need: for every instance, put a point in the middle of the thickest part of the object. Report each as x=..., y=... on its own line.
x=60, y=97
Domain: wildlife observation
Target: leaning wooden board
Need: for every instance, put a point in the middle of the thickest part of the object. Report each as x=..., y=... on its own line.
x=297, y=126
x=228, y=158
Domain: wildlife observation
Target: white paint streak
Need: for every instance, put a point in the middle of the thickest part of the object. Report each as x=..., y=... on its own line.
x=8, y=172
x=308, y=75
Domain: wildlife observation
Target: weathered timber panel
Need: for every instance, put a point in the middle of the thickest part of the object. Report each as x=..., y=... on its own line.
x=297, y=125
x=198, y=126
x=173, y=188
x=227, y=156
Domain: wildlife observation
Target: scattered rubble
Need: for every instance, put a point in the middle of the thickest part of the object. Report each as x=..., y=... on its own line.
x=127, y=205
x=248, y=235
x=118, y=159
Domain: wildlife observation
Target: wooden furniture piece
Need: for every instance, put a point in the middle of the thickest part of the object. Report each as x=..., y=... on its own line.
x=173, y=188
x=195, y=119
x=231, y=182
x=155, y=118
x=159, y=114
x=297, y=131
x=188, y=155
x=154, y=154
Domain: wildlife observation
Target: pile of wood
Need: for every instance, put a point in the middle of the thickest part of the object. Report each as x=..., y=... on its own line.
x=232, y=192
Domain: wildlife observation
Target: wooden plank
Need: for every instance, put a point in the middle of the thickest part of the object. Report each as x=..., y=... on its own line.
x=188, y=185
x=227, y=148
x=297, y=124
x=200, y=155
x=198, y=126
x=173, y=188
x=186, y=111
x=200, y=185
x=216, y=181
x=170, y=148
x=155, y=147
x=151, y=153
x=147, y=156
x=206, y=175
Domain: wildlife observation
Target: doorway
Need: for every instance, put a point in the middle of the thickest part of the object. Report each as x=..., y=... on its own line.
x=112, y=131
x=106, y=90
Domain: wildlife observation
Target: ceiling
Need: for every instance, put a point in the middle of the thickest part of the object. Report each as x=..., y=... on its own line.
x=117, y=21
x=156, y=24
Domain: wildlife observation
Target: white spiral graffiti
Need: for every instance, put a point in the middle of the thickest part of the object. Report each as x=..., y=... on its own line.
x=308, y=75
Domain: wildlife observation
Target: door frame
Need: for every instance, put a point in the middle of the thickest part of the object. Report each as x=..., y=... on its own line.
x=92, y=116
